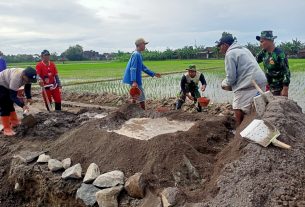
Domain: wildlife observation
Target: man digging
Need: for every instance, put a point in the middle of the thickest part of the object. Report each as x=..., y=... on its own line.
x=241, y=68
x=189, y=87
x=10, y=82
x=134, y=68
x=275, y=64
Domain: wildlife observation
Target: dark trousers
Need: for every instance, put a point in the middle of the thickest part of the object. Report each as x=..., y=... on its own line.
x=6, y=104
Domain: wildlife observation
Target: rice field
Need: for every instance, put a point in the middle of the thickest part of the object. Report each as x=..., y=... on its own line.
x=168, y=85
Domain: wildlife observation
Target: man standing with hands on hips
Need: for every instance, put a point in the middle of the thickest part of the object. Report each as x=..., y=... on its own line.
x=48, y=79
x=134, y=68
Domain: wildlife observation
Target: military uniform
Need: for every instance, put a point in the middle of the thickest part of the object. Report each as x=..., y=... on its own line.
x=190, y=85
x=276, y=66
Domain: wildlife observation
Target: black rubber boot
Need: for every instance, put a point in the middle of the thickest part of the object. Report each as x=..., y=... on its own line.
x=58, y=106
x=179, y=104
x=199, y=108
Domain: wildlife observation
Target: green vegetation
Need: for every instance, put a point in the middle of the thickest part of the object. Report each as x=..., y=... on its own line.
x=115, y=69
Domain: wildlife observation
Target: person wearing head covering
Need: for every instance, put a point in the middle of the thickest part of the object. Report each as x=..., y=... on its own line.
x=189, y=87
x=3, y=65
x=275, y=63
x=48, y=78
x=134, y=69
x=241, y=69
x=10, y=81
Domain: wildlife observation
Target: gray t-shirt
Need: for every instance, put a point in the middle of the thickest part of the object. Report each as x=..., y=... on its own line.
x=12, y=78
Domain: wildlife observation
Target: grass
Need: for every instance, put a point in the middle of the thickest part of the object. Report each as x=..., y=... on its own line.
x=103, y=69
x=115, y=69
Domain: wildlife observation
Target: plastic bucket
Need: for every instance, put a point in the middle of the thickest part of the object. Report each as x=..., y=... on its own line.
x=203, y=101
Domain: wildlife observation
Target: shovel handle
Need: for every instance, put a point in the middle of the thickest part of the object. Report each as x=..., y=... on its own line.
x=280, y=144
x=257, y=87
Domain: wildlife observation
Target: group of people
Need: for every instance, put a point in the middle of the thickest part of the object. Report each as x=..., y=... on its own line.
x=17, y=81
x=241, y=66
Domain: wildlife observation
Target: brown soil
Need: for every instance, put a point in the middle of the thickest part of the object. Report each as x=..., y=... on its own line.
x=207, y=163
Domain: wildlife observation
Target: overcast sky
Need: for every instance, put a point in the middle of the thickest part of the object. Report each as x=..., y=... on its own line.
x=29, y=26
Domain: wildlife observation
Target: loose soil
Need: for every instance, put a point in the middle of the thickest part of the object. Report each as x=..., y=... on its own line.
x=209, y=164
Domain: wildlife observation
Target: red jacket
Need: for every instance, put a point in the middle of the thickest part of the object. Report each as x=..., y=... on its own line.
x=47, y=72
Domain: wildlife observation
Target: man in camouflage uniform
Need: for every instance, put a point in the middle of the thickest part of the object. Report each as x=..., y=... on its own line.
x=189, y=87
x=275, y=64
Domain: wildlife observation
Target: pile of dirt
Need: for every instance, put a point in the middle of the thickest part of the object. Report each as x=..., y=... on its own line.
x=209, y=164
x=184, y=159
x=270, y=176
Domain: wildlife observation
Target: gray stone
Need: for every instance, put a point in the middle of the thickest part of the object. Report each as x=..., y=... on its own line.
x=66, y=163
x=109, y=179
x=27, y=156
x=43, y=158
x=86, y=193
x=92, y=173
x=172, y=196
x=54, y=165
x=151, y=200
x=108, y=197
x=135, y=186
x=74, y=172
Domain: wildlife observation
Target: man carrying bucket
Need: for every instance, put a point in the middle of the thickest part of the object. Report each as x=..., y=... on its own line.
x=189, y=87
x=241, y=69
x=133, y=72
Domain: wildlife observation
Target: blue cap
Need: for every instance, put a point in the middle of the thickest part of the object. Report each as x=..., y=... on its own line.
x=31, y=74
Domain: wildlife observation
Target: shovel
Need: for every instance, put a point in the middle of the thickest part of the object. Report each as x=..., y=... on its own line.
x=46, y=99
x=263, y=133
x=261, y=100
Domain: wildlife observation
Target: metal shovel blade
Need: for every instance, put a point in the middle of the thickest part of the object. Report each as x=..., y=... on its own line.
x=29, y=120
x=263, y=133
x=1, y=127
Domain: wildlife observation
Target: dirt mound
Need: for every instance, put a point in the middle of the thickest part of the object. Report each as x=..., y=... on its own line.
x=185, y=159
x=267, y=176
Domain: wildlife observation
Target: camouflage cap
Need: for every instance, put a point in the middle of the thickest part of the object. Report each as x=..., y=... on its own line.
x=266, y=35
x=192, y=67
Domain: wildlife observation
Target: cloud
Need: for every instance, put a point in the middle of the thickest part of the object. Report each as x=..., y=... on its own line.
x=105, y=25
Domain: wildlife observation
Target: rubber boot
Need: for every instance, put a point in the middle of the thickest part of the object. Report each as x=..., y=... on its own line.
x=199, y=108
x=179, y=104
x=58, y=106
x=7, y=129
x=14, y=119
x=142, y=105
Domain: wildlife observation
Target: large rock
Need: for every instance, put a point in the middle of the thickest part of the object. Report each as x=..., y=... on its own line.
x=109, y=179
x=172, y=197
x=151, y=200
x=27, y=156
x=74, y=172
x=43, y=158
x=66, y=163
x=135, y=186
x=92, y=173
x=54, y=165
x=87, y=194
x=109, y=197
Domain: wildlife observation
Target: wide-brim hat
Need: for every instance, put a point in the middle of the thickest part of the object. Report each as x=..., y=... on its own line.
x=191, y=67
x=266, y=35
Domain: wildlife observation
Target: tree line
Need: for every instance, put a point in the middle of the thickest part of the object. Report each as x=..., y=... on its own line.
x=76, y=53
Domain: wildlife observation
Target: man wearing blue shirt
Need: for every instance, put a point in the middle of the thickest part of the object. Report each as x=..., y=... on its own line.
x=134, y=68
x=2, y=62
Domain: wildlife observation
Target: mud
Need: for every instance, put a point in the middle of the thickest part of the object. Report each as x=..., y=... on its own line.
x=209, y=164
